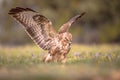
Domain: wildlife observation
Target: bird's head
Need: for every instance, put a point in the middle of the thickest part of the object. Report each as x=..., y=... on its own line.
x=66, y=37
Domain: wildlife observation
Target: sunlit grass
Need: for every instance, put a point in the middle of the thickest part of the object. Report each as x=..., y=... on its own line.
x=83, y=62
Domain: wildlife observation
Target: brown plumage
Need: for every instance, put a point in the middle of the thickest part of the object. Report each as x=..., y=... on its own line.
x=41, y=31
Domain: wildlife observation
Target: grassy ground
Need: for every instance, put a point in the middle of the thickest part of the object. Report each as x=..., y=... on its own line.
x=85, y=62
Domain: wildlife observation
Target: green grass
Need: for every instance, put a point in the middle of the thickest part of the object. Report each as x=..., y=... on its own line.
x=84, y=62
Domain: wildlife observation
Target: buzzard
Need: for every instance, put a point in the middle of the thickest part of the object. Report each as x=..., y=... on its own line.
x=42, y=32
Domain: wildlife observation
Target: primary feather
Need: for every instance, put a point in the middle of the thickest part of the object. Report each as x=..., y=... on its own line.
x=38, y=27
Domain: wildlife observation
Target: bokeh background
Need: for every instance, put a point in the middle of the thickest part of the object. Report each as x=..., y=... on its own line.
x=21, y=59
x=101, y=24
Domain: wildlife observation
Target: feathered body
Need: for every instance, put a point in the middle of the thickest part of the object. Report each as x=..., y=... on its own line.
x=41, y=31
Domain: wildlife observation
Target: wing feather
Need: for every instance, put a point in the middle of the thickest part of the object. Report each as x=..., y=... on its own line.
x=65, y=27
x=38, y=27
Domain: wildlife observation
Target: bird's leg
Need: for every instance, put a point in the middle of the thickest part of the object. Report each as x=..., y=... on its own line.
x=59, y=58
x=55, y=58
x=48, y=58
x=63, y=58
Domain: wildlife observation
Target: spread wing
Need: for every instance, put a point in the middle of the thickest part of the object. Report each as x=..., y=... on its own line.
x=38, y=27
x=65, y=27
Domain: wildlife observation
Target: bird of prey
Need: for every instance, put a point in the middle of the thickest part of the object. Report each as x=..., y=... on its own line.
x=41, y=31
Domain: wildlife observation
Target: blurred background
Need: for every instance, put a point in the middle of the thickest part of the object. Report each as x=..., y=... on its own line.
x=101, y=24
